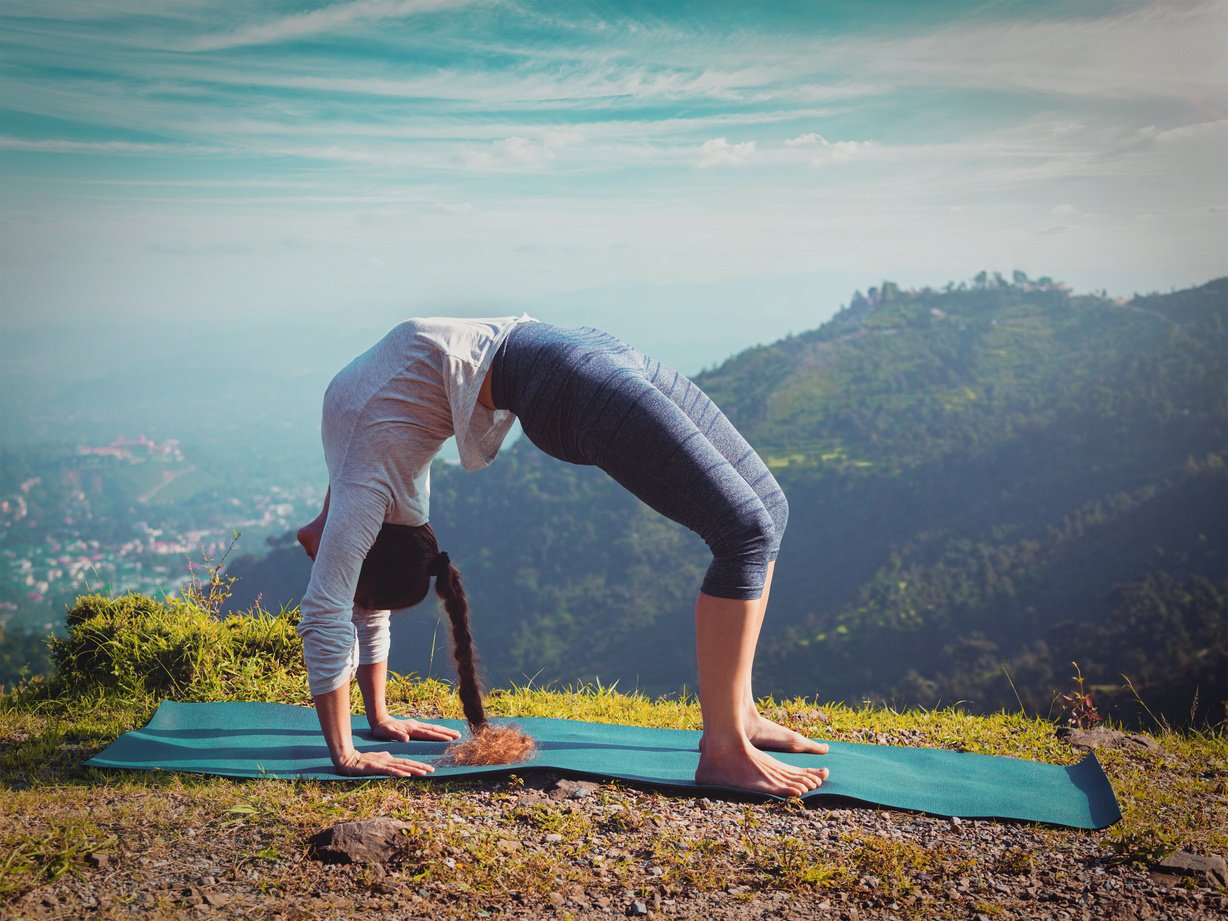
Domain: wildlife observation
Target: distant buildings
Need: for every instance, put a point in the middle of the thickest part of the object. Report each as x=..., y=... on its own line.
x=138, y=449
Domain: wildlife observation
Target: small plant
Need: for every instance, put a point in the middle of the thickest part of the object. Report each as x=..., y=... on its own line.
x=211, y=593
x=1143, y=846
x=1078, y=705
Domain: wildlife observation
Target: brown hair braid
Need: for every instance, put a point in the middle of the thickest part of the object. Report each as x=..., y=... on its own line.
x=396, y=574
x=450, y=591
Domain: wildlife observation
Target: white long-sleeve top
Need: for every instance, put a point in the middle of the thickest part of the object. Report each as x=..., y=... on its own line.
x=386, y=415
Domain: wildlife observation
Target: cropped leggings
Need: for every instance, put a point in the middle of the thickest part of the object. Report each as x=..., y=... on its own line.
x=585, y=397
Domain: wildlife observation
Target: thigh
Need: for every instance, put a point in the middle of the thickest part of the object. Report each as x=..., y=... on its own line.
x=720, y=432
x=650, y=446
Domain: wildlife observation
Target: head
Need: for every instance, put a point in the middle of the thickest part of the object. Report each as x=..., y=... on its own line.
x=397, y=571
x=397, y=574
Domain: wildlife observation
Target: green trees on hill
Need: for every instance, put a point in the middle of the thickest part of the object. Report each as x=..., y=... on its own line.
x=986, y=481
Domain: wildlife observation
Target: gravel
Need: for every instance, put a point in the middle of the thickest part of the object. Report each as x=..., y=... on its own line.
x=636, y=853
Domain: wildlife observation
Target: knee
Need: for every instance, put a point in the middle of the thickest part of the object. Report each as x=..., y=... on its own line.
x=778, y=508
x=752, y=536
x=741, y=556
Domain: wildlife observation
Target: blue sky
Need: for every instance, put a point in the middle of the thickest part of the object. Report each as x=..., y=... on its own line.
x=709, y=173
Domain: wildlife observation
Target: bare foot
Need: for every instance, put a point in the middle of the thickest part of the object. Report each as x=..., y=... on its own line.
x=743, y=767
x=772, y=737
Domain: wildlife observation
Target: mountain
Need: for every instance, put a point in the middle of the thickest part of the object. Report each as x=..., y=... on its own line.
x=987, y=483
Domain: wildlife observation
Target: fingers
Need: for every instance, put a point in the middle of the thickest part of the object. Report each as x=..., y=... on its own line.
x=368, y=763
x=439, y=735
x=400, y=730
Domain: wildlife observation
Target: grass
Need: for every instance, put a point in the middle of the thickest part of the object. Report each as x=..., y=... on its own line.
x=60, y=820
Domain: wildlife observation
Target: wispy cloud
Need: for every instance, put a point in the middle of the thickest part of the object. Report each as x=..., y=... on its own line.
x=112, y=148
x=719, y=152
x=821, y=151
x=1157, y=51
x=327, y=19
x=390, y=129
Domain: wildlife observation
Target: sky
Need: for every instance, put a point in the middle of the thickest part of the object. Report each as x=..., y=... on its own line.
x=698, y=176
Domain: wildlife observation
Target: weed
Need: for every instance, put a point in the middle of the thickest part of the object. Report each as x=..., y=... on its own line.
x=623, y=820
x=989, y=909
x=140, y=648
x=893, y=862
x=41, y=859
x=550, y=819
x=1077, y=704
x=1160, y=724
x=1144, y=846
x=792, y=864
x=211, y=593
x=1015, y=861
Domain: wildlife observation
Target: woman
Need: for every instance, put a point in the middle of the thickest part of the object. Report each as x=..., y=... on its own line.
x=581, y=396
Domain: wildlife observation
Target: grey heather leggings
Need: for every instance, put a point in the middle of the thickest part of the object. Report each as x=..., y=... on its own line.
x=585, y=397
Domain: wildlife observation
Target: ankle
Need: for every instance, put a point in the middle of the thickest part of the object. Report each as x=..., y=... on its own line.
x=725, y=743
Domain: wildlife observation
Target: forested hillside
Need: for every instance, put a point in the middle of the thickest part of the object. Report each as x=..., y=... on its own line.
x=986, y=483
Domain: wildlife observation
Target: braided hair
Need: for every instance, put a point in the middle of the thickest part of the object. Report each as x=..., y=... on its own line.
x=396, y=574
x=450, y=591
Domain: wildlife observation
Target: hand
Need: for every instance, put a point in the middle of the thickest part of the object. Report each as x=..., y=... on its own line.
x=392, y=729
x=360, y=764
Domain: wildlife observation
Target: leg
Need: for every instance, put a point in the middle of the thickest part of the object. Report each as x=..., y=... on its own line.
x=694, y=482
x=764, y=733
x=708, y=418
x=659, y=436
x=725, y=635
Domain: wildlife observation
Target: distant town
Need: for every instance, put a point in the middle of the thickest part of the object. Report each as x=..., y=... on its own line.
x=134, y=514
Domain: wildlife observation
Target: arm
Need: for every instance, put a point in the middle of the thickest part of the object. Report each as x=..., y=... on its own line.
x=333, y=709
x=373, y=681
x=329, y=633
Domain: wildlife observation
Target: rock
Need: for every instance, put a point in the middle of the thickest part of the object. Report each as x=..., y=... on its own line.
x=571, y=789
x=98, y=861
x=367, y=841
x=637, y=909
x=553, y=838
x=1207, y=870
x=215, y=898
x=1104, y=737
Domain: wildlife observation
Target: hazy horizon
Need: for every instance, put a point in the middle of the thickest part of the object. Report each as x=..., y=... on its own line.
x=697, y=177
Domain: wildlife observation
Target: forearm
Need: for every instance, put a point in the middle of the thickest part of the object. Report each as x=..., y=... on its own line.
x=373, y=682
x=333, y=709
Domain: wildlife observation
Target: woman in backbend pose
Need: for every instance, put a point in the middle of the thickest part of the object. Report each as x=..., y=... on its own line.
x=581, y=396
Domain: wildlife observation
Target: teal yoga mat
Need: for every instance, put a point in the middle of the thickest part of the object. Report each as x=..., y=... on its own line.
x=278, y=740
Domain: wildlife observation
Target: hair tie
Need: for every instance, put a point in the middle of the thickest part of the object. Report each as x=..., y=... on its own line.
x=439, y=565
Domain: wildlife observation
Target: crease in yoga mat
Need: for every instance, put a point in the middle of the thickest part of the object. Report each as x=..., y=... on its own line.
x=279, y=740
